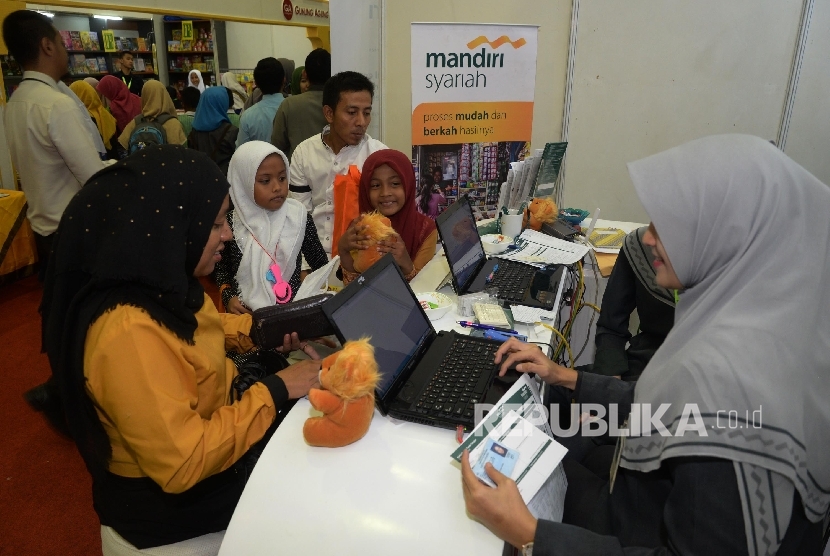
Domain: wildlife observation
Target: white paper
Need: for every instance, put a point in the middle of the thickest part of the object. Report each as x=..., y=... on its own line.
x=549, y=502
x=532, y=166
x=318, y=281
x=522, y=313
x=539, y=454
x=536, y=247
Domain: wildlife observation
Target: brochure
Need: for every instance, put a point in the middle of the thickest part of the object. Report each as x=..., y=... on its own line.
x=537, y=248
x=517, y=423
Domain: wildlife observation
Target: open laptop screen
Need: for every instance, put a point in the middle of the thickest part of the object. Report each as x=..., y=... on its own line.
x=461, y=242
x=385, y=310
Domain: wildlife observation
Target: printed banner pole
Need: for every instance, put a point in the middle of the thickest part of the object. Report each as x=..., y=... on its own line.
x=472, y=110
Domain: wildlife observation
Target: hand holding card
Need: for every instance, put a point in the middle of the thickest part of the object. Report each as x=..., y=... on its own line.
x=502, y=458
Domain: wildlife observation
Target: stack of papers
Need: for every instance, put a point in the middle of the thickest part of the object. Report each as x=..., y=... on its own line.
x=537, y=248
x=518, y=422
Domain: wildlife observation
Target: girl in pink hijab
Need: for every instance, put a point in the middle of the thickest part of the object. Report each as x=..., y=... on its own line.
x=123, y=104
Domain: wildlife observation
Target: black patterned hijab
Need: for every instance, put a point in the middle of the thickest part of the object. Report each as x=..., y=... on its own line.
x=641, y=260
x=132, y=236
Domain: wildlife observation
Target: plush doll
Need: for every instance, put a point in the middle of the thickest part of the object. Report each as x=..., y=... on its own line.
x=540, y=211
x=378, y=229
x=349, y=378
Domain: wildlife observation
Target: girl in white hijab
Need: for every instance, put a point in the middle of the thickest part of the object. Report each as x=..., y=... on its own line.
x=736, y=458
x=194, y=79
x=239, y=95
x=269, y=229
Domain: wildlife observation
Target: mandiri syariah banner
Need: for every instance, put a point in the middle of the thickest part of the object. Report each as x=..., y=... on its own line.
x=472, y=110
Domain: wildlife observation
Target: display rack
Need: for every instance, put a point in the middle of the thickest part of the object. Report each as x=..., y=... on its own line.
x=184, y=55
x=86, y=55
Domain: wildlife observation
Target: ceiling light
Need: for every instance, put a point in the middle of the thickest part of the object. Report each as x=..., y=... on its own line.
x=112, y=17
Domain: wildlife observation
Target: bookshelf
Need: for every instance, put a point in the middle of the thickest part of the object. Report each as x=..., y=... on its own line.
x=82, y=36
x=87, y=57
x=184, y=55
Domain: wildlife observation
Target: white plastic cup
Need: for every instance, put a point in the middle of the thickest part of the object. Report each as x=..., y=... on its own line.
x=511, y=224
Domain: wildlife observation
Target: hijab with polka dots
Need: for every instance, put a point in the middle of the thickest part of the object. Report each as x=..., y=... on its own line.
x=132, y=236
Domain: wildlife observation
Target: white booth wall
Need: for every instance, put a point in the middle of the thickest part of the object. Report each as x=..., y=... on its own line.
x=247, y=43
x=808, y=137
x=648, y=75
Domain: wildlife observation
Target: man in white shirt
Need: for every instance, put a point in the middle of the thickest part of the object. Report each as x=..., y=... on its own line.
x=347, y=106
x=48, y=142
x=50, y=146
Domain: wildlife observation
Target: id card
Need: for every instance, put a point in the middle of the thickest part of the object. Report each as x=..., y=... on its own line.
x=499, y=456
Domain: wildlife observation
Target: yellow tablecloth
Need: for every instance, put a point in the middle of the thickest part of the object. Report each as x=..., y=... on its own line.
x=18, y=254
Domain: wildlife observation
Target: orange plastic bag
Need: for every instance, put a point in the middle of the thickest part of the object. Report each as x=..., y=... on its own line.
x=346, y=205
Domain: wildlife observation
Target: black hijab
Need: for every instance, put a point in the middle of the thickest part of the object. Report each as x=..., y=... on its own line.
x=132, y=236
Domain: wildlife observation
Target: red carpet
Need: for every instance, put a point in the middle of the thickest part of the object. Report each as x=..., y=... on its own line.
x=45, y=490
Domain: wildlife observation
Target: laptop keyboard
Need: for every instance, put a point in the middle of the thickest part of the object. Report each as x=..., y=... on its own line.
x=512, y=280
x=461, y=380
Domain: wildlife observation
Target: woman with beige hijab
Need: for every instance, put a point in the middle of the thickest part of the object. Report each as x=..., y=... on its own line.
x=156, y=104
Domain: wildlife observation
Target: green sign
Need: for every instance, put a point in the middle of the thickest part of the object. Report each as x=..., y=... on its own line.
x=109, y=41
x=187, y=30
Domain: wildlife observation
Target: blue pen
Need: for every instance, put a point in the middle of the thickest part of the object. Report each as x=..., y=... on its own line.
x=468, y=324
x=490, y=276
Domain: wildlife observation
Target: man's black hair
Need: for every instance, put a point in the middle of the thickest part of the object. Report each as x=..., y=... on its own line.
x=174, y=96
x=190, y=98
x=318, y=66
x=345, y=82
x=124, y=53
x=269, y=76
x=23, y=30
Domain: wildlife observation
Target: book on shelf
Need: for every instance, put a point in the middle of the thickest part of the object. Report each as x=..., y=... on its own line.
x=85, y=40
x=148, y=67
x=177, y=34
x=67, y=39
x=92, y=65
x=200, y=66
x=93, y=40
x=75, y=37
x=102, y=65
x=187, y=45
x=174, y=46
x=79, y=64
x=9, y=65
x=142, y=44
x=139, y=64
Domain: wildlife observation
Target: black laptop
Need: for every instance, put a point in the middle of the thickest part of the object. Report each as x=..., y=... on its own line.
x=517, y=283
x=426, y=377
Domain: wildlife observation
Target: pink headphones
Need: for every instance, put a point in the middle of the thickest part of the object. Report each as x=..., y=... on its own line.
x=282, y=289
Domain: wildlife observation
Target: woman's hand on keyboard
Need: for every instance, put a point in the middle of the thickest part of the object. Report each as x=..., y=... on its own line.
x=528, y=358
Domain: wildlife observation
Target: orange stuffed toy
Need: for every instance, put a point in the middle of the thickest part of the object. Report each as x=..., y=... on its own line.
x=349, y=378
x=540, y=211
x=378, y=228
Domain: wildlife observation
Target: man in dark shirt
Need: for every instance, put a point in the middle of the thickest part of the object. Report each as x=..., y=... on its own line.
x=133, y=82
x=301, y=116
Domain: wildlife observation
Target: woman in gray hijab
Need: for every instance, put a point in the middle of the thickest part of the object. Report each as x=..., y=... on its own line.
x=288, y=66
x=728, y=452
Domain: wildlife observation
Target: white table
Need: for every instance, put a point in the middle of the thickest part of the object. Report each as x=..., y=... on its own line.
x=395, y=491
